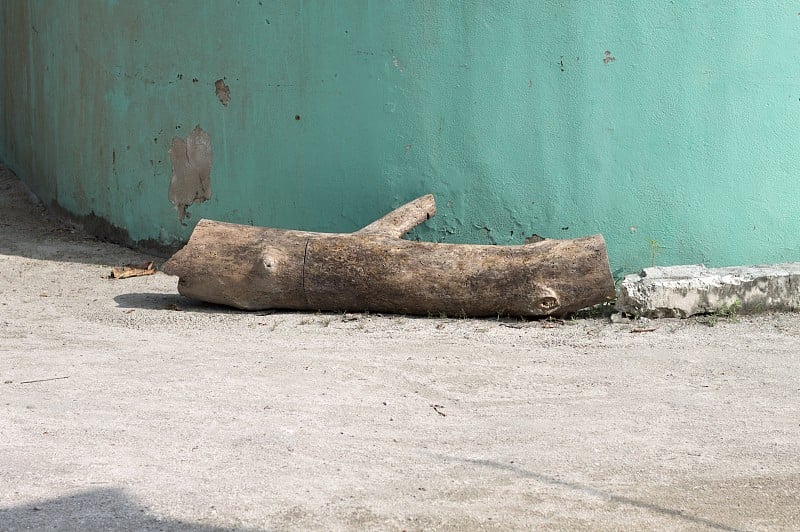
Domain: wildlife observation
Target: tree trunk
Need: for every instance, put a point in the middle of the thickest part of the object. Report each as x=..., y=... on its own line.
x=374, y=269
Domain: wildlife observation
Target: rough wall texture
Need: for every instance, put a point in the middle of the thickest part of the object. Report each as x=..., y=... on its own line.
x=670, y=127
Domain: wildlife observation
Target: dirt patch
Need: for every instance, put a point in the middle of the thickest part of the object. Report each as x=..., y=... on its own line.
x=126, y=406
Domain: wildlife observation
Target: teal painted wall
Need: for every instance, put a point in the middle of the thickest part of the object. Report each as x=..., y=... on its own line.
x=676, y=123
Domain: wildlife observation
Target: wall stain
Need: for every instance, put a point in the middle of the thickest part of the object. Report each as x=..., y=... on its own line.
x=608, y=58
x=191, y=170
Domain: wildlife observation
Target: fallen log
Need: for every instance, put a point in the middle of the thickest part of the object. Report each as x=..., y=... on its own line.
x=374, y=269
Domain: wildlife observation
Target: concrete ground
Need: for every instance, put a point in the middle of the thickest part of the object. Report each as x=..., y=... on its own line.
x=124, y=406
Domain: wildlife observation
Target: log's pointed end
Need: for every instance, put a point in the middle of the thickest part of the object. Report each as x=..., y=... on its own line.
x=169, y=267
x=175, y=265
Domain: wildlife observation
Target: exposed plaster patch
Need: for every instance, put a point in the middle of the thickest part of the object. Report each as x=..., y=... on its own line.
x=396, y=64
x=191, y=170
x=534, y=238
x=223, y=91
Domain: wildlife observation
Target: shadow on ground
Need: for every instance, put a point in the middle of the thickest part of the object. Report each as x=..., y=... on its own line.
x=160, y=301
x=28, y=229
x=99, y=509
x=678, y=515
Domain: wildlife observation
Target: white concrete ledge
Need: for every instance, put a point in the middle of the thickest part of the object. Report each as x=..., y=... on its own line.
x=682, y=291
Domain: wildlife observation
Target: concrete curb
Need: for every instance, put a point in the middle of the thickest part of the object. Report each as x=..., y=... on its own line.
x=683, y=291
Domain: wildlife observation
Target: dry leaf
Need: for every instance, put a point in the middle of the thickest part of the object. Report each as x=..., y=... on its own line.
x=133, y=270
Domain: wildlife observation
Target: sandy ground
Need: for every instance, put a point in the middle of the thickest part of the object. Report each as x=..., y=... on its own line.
x=124, y=406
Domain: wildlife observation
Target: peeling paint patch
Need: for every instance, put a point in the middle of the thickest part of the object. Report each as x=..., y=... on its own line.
x=534, y=238
x=396, y=64
x=191, y=170
x=608, y=57
x=223, y=91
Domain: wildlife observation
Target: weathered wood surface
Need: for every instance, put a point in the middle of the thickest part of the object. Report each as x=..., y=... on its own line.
x=374, y=269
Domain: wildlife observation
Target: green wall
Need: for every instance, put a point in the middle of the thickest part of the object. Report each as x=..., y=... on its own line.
x=683, y=139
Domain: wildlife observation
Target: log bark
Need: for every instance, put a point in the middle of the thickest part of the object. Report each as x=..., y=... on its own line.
x=374, y=269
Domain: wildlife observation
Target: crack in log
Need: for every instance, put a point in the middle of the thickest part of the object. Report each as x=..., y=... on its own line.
x=303, y=282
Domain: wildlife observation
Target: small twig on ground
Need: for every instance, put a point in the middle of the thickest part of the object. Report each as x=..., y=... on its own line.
x=436, y=409
x=643, y=329
x=43, y=380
